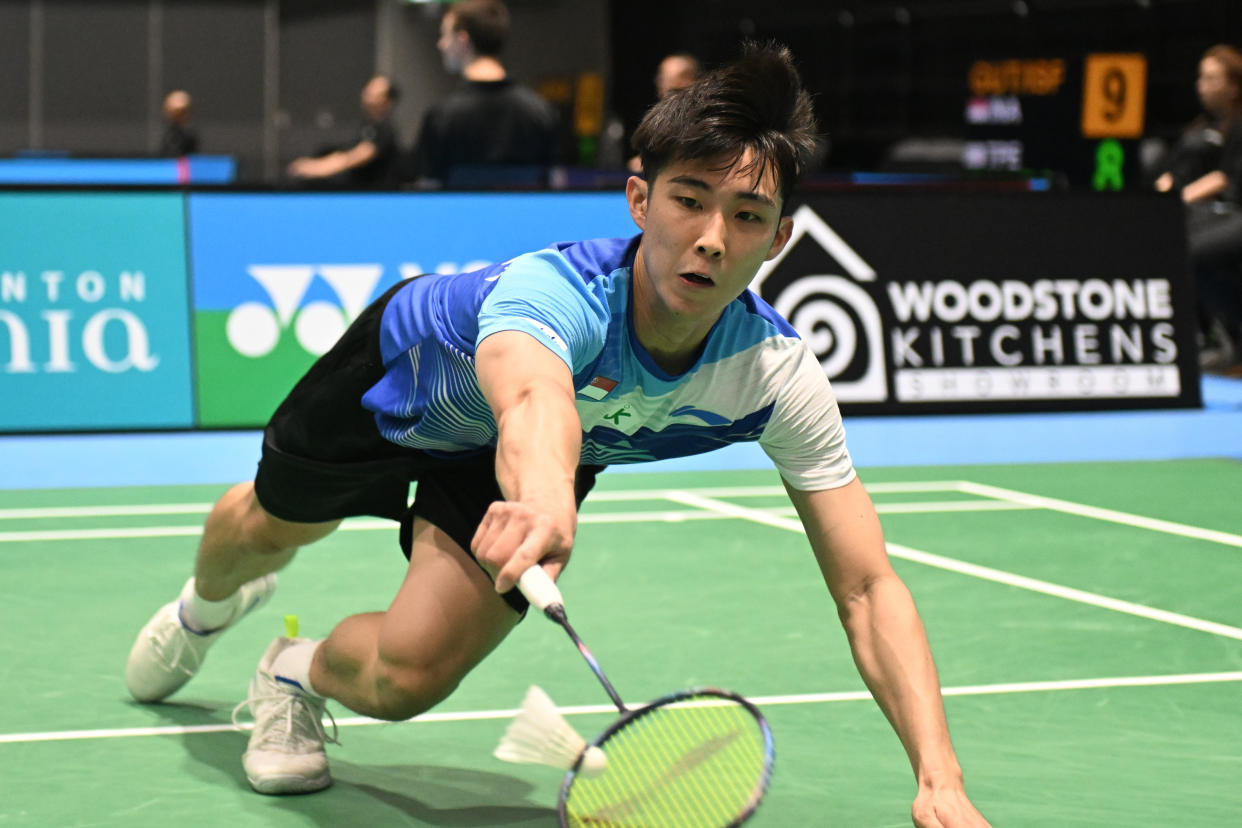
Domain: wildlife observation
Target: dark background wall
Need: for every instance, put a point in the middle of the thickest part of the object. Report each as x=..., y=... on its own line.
x=276, y=78
x=885, y=70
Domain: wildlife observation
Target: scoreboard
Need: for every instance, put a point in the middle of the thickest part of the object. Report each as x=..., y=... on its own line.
x=1077, y=116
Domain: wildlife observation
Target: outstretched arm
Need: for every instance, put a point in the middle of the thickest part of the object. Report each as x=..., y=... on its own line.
x=531, y=394
x=333, y=163
x=889, y=645
x=1206, y=187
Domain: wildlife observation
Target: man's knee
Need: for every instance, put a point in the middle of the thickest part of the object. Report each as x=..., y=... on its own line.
x=406, y=690
x=268, y=534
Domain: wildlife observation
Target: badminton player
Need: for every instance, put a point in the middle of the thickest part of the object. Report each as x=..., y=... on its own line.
x=503, y=392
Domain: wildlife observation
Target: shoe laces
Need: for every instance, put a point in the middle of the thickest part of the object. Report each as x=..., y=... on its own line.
x=176, y=647
x=302, y=715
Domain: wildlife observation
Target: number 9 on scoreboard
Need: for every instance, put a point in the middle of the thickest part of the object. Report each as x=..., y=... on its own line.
x=1114, y=96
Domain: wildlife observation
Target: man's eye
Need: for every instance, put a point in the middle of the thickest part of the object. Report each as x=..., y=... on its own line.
x=686, y=201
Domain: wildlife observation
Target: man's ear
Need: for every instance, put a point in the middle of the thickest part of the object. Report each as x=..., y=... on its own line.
x=636, y=197
x=783, y=231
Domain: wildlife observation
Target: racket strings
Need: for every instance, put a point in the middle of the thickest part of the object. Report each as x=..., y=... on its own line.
x=692, y=765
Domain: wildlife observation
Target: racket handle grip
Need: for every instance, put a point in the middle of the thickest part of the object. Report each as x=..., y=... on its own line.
x=539, y=588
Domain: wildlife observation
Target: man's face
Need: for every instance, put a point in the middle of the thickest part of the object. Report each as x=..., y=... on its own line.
x=453, y=45
x=375, y=97
x=673, y=73
x=706, y=232
x=177, y=107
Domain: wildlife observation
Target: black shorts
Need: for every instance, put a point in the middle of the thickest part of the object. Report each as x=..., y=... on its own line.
x=324, y=458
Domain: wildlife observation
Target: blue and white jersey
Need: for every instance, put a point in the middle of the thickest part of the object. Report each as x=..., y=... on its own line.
x=755, y=380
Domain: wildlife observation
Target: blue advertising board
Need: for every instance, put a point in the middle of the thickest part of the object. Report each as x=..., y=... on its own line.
x=94, y=327
x=278, y=277
x=192, y=169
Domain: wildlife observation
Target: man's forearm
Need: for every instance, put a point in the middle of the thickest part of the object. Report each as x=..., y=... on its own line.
x=1206, y=187
x=537, y=449
x=891, y=651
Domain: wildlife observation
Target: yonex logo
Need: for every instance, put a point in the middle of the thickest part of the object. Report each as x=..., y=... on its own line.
x=254, y=328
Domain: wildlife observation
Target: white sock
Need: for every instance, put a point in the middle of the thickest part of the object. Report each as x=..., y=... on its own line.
x=294, y=664
x=202, y=616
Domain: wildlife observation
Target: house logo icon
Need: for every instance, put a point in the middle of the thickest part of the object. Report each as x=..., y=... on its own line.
x=816, y=283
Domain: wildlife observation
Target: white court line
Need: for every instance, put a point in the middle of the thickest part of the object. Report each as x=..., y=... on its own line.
x=367, y=524
x=1125, y=518
x=597, y=496
x=761, y=701
x=35, y=513
x=986, y=573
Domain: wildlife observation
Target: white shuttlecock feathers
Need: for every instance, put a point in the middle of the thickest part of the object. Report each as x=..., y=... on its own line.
x=540, y=735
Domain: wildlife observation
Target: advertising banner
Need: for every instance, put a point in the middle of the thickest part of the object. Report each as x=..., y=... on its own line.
x=278, y=277
x=93, y=312
x=935, y=303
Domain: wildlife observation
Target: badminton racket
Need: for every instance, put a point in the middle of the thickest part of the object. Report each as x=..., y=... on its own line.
x=697, y=758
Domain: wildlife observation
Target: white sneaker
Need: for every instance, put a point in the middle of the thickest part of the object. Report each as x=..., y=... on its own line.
x=285, y=754
x=167, y=654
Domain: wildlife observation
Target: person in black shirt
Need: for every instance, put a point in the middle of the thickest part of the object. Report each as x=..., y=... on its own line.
x=1213, y=195
x=373, y=162
x=178, y=138
x=491, y=131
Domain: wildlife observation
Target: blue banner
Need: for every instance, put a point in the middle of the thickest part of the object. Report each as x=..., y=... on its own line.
x=278, y=277
x=94, y=325
x=400, y=234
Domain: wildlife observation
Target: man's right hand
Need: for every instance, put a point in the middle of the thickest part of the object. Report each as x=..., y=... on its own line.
x=514, y=537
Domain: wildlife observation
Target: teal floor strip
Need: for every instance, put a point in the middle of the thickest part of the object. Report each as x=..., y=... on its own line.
x=73, y=460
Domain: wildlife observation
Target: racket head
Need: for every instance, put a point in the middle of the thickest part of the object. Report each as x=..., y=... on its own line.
x=700, y=758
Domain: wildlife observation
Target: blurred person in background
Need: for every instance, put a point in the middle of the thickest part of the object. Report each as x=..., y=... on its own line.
x=373, y=162
x=178, y=138
x=490, y=130
x=1205, y=167
x=676, y=71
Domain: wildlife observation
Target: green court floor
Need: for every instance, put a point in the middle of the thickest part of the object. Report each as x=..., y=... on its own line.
x=1086, y=619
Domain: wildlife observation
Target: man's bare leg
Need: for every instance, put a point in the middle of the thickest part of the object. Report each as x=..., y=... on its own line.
x=445, y=619
x=241, y=544
x=242, y=541
x=392, y=665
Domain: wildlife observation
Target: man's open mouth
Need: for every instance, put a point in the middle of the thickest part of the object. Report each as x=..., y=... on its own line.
x=697, y=278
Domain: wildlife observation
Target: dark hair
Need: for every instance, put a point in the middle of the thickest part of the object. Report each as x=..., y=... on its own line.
x=486, y=22
x=756, y=103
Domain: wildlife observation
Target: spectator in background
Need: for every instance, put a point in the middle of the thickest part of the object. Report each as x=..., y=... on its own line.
x=490, y=130
x=373, y=162
x=1197, y=152
x=676, y=71
x=1206, y=168
x=178, y=138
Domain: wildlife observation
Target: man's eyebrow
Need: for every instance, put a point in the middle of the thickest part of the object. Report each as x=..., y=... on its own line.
x=700, y=184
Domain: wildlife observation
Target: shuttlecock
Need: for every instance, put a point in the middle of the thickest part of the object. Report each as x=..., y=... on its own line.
x=540, y=735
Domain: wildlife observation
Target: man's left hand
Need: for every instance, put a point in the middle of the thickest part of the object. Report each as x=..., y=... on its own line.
x=946, y=807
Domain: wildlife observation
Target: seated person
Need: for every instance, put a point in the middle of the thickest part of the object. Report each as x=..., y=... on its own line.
x=372, y=163
x=178, y=139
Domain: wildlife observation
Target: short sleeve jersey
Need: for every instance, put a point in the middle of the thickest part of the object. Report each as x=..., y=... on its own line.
x=754, y=380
